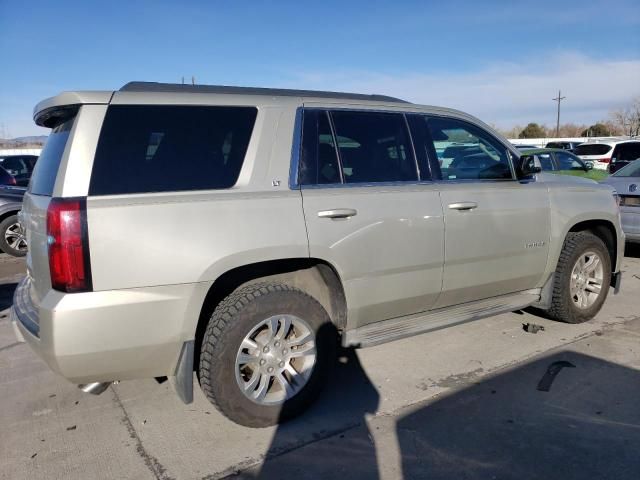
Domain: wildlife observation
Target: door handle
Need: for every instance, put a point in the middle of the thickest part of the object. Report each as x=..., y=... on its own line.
x=463, y=206
x=337, y=213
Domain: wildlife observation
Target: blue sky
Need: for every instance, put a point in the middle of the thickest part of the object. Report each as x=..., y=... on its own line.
x=502, y=61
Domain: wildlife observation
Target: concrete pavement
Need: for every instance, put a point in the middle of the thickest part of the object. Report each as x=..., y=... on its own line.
x=457, y=403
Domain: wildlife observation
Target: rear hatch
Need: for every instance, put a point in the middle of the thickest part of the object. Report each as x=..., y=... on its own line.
x=36, y=201
x=595, y=152
x=63, y=114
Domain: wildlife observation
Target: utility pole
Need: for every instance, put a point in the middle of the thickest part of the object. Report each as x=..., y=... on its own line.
x=558, y=99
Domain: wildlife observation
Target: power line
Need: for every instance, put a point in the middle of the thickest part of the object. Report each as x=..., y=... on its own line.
x=558, y=99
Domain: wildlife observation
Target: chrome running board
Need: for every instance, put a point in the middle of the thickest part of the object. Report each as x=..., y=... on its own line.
x=395, y=328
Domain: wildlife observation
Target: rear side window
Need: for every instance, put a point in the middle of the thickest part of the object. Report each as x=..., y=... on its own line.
x=46, y=170
x=145, y=149
x=592, y=149
x=319, y=161
x=355, y=147
x=374, y=147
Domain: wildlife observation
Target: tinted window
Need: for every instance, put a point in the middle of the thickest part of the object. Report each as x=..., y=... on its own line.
x=545, y=161
x=170, y=148
x=568, y=162
x=626, y=151
x=14, y=165
x=46, y=170
x=374, y=147
x=466, y=152
x=319, y=161
x=592, y=149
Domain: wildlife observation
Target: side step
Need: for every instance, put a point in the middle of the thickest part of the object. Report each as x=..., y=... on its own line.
x=396, y=328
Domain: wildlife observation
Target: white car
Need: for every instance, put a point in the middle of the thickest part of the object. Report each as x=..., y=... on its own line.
x=602, y=153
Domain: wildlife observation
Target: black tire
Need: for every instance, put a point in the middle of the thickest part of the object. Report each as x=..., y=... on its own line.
x=4, y=245
x=563, y=307
x=231, y=321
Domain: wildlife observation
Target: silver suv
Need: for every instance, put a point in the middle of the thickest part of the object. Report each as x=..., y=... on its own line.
x=243, y=232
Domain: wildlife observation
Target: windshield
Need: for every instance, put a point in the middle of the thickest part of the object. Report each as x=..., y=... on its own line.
x=631, y=170
x=592, y=149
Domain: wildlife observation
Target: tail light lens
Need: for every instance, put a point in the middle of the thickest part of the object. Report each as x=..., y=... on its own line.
x=604, y=160
x=68, y=244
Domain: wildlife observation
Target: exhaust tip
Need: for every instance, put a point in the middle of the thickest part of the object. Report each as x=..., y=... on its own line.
x=95, y=388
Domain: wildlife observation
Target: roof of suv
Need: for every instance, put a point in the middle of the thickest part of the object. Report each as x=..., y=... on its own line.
x=156, y=87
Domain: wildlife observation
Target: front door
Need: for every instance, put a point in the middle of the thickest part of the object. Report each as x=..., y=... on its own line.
x=368, y=213
x=496, y=228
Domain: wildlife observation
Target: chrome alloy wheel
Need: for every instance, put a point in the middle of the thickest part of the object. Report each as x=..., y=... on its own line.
x=586, y=280
x=15, y=238
x=276, y=359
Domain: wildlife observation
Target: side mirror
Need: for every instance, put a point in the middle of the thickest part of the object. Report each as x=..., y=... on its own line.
x=588, y=165
x=527, y=166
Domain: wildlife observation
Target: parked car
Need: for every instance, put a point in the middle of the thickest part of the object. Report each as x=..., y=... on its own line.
x=20, y=167
x=12, y=238
x=563, y=145
x=626, y=182
x=623, y=154
x=602, y=154
x=562, y=162
x=295, y=218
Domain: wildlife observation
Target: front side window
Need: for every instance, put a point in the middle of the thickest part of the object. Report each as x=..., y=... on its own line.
x=466, y=152
x=163, y=148
x=568, y=162
x=545, y=161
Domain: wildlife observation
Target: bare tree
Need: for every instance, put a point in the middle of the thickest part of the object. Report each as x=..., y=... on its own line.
x=628, y=119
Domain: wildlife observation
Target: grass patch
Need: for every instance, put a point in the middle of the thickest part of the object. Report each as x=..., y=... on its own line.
x=593, y=174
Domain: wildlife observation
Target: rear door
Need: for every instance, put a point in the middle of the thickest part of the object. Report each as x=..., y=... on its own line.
x=496, y=228
x=371, y=211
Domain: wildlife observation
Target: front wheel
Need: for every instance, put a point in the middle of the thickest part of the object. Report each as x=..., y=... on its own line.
x=266, y=353
x=582, y=278
x=12, y=238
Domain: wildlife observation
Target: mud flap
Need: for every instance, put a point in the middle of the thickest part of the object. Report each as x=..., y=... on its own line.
x=182, y=380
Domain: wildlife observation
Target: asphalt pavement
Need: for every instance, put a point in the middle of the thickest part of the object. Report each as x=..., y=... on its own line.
x=484, y=400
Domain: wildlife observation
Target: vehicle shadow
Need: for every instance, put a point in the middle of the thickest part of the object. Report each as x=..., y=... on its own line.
x=585, y=425
x=347, y=399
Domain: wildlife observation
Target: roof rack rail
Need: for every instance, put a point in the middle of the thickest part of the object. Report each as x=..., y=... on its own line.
x=275, y=92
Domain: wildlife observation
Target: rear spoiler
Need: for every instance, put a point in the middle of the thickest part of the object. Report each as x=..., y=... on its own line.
x=49, y=112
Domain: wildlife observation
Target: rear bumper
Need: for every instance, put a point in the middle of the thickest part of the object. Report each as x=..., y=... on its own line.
x=106, y=336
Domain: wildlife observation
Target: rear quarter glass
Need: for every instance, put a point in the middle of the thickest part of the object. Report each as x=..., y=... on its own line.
x=45, y=172
x=164, y=148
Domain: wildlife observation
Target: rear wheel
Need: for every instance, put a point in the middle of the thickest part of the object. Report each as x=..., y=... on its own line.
x=582, y=278
x=12, y=238
x=266, y=353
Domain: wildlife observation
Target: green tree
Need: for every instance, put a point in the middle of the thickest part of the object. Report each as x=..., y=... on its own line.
x=596, y=130
x=532, y=130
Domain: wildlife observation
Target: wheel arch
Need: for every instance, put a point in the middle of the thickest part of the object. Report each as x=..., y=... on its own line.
x=605, y=231
x=315, y=276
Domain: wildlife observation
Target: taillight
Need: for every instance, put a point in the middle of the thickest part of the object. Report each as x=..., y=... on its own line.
x=604, y=160
x=68, y=244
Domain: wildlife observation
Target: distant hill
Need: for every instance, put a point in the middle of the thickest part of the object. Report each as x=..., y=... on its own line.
x=33, y=140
